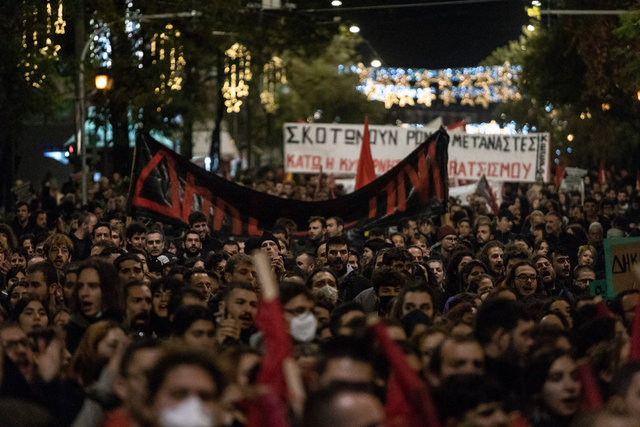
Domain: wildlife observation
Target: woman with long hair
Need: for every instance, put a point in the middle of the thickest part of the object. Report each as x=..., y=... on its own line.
x=96, y=296
x=30, y=314
x=554, y=387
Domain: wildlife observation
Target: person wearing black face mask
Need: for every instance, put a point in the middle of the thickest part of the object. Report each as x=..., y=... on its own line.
x=387, y=284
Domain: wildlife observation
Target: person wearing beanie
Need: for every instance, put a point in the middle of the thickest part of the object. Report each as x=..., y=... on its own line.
x=270, y=245
x=447, y=242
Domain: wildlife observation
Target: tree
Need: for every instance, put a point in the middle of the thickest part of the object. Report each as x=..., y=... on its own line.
x=318, y=92
x=173, y=87
x=24, y=92
x=575, y=81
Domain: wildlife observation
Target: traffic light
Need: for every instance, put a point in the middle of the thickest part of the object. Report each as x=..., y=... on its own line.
x=70, y=150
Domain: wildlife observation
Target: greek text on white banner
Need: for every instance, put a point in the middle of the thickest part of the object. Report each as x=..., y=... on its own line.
x=336, y=148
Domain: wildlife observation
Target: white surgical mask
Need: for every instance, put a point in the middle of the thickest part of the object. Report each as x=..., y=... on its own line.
x=303, y=327
x=328, y=291
x=191, y=412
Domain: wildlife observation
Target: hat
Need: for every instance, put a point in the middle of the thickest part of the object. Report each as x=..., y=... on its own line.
x=444, y=231
x=267, y=235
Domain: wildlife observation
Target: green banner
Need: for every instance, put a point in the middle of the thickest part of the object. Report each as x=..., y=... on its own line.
x=622, y=266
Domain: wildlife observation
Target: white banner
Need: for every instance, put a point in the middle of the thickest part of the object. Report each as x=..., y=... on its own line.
x=336, y=148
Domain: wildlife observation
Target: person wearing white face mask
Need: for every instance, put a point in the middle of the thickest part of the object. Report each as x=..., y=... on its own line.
x=297, y=303
x=184, y=390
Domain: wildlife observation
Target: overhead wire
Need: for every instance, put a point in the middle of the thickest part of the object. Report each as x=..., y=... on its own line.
x=402, y=6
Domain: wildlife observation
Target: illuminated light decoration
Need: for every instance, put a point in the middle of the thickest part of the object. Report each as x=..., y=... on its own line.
x=101, y=44
x=167, y=55
x=425, y=96
x=237, y=70
x=477, y=86
x=38, y=33
x=533, y=12
x=272, y=75
x=132, y=28
x=570, y=137
x=606, y=106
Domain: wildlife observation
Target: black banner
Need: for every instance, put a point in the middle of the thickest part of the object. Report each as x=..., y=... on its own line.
x=169, y=187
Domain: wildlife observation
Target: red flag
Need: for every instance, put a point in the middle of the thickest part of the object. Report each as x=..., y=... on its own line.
x=366, y=171
x=602, y=174
x=591, y=397
x=561, y=168
x=603, y=311
x=634, y=353
x=278, y=347
x=414, y=396
x=484, y=190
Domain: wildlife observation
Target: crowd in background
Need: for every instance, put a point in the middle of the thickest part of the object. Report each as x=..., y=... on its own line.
x=473, y=318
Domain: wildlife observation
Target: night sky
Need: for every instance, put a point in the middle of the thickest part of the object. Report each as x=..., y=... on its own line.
x=452, y=35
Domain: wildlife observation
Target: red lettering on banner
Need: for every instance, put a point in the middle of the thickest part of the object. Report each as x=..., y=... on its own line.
x=473, y=169
x=191, y=190
x=492, y=169
x=419, y=180
x=172, y=211
x=344, y=164
x=437, y=179
x=290, y=160
x=373, y=207
x=452, y=168
x=383, y=166
x=329, y=163
x=391, y=198
x=462, y=170
x=513, y=170
x=402, y=194
x=316, y=162
x=252, y=229
x=218, y=216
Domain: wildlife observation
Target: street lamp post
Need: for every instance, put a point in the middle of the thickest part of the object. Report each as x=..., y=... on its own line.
x=81, y=110
x=80, y=134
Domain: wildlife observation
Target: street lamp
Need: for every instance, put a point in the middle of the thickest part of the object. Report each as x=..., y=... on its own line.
x=102, y=82
x=81, y=101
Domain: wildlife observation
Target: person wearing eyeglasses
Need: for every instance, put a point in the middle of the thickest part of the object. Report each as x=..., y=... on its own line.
x=524, y=280
x=582, y=277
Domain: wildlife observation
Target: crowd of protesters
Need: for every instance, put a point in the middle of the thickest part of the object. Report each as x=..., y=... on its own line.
x=469, y=319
